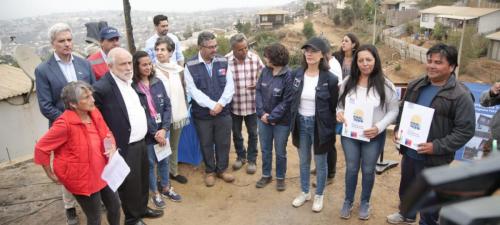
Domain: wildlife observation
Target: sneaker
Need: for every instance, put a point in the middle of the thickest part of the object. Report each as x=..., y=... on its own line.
x=158, y=201
x=170, y=194
x=345, y=212
x=210, y=179
x=71, y=217
x=397, y=218
x=364, y=211
x=263, y=182
x=301, y=199
x=226, y=176
x=280, y=184
x=179, y=178
x=238, y=164
x=251, y=168
x=318, y=203
x=328, y=182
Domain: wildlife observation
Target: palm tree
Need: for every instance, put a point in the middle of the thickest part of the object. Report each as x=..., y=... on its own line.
x=128, y=25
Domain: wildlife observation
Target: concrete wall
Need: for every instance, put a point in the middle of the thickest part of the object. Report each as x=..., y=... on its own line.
x=494, y=50
x=21, y=126
x=489, y=23
x=407, y=50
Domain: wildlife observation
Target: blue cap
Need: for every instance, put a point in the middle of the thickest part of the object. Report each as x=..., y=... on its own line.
x=107, y=33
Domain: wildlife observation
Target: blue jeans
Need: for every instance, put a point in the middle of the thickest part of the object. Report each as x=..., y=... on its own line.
x=306, y=136
x=249, y=154
x=278, y=133
x=361, y=154
x=162, y=168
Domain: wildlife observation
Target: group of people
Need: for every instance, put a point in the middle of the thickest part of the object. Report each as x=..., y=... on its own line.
x=132, y=104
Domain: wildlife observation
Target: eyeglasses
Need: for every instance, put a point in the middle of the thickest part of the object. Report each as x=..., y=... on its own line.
x=211, y=47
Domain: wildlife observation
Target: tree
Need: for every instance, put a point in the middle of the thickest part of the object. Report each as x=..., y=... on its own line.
x=223, y=45
x=310, y=7
x=347, y=15
x=308, y=29
x=128, y=25
x=243, y=27
x=190, y=52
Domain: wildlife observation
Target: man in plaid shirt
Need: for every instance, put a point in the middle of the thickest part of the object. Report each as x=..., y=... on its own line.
x=245, y=66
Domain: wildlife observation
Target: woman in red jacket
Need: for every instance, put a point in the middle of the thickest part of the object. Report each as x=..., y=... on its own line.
x=77, y=140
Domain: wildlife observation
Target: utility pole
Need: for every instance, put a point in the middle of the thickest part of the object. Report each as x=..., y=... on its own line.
x=457, y=71
x=375, y=23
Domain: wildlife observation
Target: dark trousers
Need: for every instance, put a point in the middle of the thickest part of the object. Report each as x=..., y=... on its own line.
x=410, y=168
x=215, y=141
x=249, y=154
x=91, y=206
x=134, y=191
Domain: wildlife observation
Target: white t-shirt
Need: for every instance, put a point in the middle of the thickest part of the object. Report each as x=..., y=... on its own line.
x=335, y=68
x=307, y=104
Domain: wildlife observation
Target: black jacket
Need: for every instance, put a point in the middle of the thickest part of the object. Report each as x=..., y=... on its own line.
x=109, y=100
x=453, y=123
x=327, y=94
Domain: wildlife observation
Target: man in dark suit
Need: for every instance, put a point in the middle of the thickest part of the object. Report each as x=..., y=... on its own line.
x=51, y=76
x=125, y=115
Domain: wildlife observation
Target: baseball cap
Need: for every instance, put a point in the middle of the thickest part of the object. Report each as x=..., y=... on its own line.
x=317, y=44
x=107, y=33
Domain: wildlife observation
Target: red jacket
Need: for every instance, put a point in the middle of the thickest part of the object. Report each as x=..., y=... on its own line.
x=77, y=167
x=99, y=66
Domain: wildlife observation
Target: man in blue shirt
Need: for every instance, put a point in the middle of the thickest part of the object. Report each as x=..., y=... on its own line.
x=453, y=123
x=161, y=28
x=210, y=84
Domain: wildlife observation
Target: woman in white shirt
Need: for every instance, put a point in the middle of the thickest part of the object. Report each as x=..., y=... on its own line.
x=366, y=85
x=313, y=118
x=168, y=73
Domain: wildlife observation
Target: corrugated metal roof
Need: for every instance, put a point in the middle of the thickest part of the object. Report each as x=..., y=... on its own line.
x=494, y=36
x=457, y=11
x=13, y=82
x=272, y=12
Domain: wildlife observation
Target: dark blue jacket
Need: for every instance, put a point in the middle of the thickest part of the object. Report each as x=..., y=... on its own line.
x=327, y=94
x=50, y=81
x=274, y=95
x=213, y=86
x=162, y=106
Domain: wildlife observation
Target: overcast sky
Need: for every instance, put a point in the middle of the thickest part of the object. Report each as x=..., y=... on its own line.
x=12, y=9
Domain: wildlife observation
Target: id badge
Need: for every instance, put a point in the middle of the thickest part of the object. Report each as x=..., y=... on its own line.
x=158, y=118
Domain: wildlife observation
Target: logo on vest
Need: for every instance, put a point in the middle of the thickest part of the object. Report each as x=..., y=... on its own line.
x=222, y=72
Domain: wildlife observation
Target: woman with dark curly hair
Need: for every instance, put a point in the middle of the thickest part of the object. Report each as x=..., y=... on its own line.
x=349, y=45
x=313, y=117
x=273, y=97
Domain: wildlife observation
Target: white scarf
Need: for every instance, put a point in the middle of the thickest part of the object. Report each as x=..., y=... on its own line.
x=175, y=92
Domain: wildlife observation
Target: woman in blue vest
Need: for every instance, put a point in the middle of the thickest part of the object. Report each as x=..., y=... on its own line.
x=313, y=117
x=273, y=97
x=367, y=84
x=159, y=117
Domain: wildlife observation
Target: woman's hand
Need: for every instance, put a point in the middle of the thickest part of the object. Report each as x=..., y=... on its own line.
x=340, y=117
x=264, y=118
x=50, y=174
x=160, y=137
x=371, y=132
